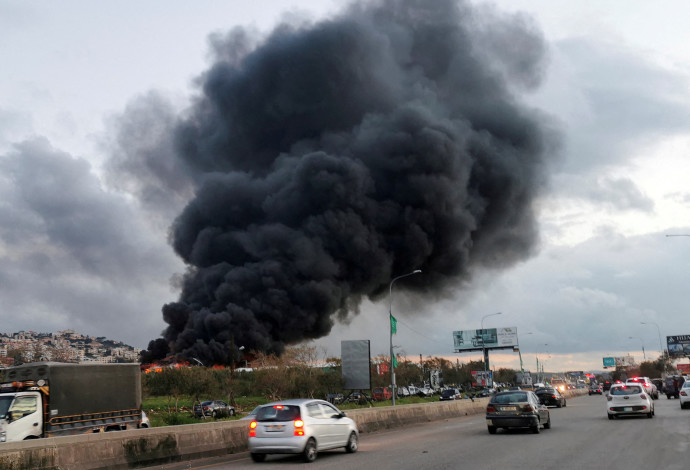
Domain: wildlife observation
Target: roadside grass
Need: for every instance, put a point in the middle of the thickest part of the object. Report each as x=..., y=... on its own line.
x=161, y=411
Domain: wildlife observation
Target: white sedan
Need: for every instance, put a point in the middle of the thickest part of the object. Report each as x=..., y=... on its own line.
x=685, y=395
x=628, y=400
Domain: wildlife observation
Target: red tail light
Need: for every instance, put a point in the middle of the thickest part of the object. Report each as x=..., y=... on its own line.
x=490, y=409
x=527, y=408
x=684, y=394
x=299, y=427
x=643, y=396
x=252, y=428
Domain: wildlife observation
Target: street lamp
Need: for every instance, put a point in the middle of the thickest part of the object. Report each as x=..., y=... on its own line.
x=661, y=348
x=644, y=356
x=486, y=354
x=522, y=368
x=536, y=355
x=390, y=323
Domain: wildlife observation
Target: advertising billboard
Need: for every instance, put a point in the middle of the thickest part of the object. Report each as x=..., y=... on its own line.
x=678, y=346
x=482, y=378
x=356, y=364
x=488, y=338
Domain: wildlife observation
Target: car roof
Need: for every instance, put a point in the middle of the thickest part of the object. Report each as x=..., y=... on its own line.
x=297, y=402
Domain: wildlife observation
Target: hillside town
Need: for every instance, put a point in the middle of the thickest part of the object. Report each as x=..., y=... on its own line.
x=63, y=346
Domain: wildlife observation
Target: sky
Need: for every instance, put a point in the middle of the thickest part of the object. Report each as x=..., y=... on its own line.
x=85, y=238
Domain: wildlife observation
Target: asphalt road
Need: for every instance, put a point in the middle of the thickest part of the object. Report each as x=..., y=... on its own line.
x=581, y=437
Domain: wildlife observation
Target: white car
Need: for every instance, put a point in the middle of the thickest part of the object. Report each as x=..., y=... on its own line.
x=301, y=426
x=627, y=400
x=648, y=385
x=685, y=395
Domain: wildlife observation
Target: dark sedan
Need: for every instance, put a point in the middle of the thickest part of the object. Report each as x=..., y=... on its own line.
x=213, y=409
x=550, y=397
x=516, y=409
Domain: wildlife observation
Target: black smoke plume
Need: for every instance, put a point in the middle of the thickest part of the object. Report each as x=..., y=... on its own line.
x=332, y=157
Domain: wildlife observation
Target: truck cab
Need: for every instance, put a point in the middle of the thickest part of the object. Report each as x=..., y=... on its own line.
x=21, y=416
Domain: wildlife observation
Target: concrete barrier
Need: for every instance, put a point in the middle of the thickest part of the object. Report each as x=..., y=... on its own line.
x=147, y=447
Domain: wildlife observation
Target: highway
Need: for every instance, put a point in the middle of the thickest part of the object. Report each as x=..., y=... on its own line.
x=581, y=437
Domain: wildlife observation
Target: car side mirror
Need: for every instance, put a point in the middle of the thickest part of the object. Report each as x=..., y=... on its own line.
x=342, y=414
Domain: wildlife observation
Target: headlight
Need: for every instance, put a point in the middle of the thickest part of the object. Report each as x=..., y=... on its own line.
x=3, y=436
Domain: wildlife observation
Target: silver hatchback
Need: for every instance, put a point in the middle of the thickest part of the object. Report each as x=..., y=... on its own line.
x=302, y=426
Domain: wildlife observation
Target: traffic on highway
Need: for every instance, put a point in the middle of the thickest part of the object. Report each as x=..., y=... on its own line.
x=580, y=436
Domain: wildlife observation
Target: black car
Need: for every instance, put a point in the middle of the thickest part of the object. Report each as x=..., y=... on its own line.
x=550, y=397
x=516, y=409
x=672, y=385
x=213, y=409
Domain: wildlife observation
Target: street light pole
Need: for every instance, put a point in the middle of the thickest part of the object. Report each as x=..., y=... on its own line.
x=390, y=324
x=536, y=355
x=661, y=348
x=644, y=356
x=484, y=350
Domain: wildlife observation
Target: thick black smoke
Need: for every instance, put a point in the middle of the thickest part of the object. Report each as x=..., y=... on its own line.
x=339, y=155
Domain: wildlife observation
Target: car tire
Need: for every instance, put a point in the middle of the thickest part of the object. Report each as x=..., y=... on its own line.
x=232, y=412
x=213, y=414
x=536, y=428
x=309, y=453
x=492, y=429
x=559, y=405
x=650, y=414
x=565, y=403
x=611, y=416
x=352, y=443
x=258, y=457
x=547, y=424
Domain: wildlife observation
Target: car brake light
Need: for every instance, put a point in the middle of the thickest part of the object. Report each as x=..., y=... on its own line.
x=684, y=394
x=299, y=427
x=252, y=429
x=643, y=396
x=490, y=409
x=278, y=407
x=527, y=408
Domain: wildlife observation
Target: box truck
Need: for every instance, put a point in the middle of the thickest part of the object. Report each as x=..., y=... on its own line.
x=46, y=399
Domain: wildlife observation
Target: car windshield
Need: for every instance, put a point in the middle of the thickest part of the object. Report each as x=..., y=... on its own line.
x=629, y=390
x=546, y=391
x=686, y=384
x=447, y=392
x=516, y=397
x=278, y=413
x=5, y=403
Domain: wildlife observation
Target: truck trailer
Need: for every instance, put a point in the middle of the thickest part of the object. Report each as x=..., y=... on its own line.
x=47, y=399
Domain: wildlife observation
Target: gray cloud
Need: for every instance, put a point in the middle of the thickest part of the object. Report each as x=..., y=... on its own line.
x=72, y=253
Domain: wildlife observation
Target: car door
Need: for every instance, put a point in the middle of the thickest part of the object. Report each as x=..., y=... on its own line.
x=318, y=424
x=337, y=427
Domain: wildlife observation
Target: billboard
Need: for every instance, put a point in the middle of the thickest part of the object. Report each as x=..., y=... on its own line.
x=482, y=378
x=356, y=368
x=684, y=368
x=678, y=346
x=609, y=362
x=489, y=338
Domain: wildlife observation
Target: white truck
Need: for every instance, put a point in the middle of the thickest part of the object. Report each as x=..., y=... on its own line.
x=46, y=399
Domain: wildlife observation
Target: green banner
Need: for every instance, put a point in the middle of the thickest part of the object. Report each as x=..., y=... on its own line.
x=394, y=325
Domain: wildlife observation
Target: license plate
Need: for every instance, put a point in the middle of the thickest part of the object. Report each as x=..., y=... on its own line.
x=509, y=408
x=627, y=408
x=274, y=427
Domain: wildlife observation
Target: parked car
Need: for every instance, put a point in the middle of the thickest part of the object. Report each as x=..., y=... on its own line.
x=595, y=388
x=381, y=393
x=425, y=392
x=647, y=384
x=550, y=397
x=301, y=426
x=517, y=409
x=449, y=394
x=626, y=399
x=335, y=398
x=403, y=392
x=684, y=395
x=213, y=409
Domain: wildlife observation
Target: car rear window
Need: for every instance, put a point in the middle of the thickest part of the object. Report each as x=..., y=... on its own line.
x=517, y=397
x=628, y=390
x=278, y=413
